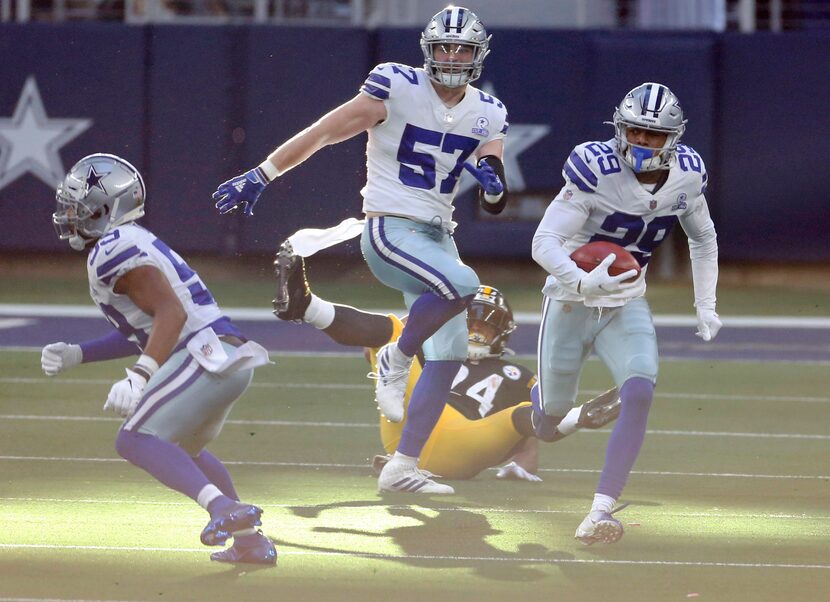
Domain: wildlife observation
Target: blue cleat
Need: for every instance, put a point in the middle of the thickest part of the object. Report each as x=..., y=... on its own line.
x=262, y=552
x=236, y=518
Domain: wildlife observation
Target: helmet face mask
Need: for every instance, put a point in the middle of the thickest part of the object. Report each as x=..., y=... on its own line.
x=489, y=322
x=99, y=193
x=655, y=108
x=454, y=27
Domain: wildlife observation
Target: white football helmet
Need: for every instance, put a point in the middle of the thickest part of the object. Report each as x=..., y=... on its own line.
x=454, y=25
x=649, y=106
x=489, y=322
x=99, y=193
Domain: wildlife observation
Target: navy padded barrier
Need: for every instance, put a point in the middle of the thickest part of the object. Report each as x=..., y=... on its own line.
x=193, y=106
x=82, y=71
x=774, y=130
x=188, y=127
x=297, y=75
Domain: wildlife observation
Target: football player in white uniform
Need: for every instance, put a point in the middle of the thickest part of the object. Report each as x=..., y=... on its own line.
x=629, y=190
x=424, y=126
x=193, y=362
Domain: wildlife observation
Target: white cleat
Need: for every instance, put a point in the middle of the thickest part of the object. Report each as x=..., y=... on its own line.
x=395, y=477
x=599, y=527
x=392, y=377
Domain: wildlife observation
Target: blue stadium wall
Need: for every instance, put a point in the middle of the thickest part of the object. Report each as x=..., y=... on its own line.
x=192, y=106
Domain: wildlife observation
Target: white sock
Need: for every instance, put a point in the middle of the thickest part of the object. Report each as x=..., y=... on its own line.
x=207, y=495
x=319, y=313
x=603, y=503
x=568, y=424
x=401, y=356
x=404, y=460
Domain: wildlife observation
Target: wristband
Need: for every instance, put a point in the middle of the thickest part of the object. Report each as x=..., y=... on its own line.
x=270, y=170
x=145, y=366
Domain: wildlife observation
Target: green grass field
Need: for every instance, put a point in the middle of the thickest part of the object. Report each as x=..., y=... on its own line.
x=728, y=499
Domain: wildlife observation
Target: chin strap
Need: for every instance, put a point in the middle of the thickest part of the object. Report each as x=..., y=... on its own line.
x=477, y=352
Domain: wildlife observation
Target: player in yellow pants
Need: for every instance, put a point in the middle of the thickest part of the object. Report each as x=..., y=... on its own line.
x=460, y=447
x=487, y=418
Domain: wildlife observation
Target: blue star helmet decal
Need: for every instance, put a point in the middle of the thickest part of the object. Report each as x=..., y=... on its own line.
x=93, y=180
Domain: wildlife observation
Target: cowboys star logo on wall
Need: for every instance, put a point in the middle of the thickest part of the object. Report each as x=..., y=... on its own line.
x=30, y=140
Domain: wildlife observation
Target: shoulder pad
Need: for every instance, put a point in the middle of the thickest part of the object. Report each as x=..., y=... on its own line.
x=111, y=252
x=495, y=108
x=581, y=166
x=589, y=162
x=688, y=160
x=382, y=79
x=489, y=99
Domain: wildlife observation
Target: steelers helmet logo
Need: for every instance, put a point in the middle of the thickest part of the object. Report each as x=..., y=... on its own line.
x=512, y=372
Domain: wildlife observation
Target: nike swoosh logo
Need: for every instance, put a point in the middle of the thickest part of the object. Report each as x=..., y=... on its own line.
x=588, y=159
x=109, y=251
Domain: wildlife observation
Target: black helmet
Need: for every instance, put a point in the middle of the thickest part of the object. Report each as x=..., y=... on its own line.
x=490, y=322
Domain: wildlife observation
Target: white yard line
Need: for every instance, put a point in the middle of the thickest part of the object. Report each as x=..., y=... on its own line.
x=659, y=473
x=576, y=511
x=406, y=557
x=364, y=425
x=61, y=380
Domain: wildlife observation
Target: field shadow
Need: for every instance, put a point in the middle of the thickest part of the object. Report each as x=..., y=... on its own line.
x=447, y=536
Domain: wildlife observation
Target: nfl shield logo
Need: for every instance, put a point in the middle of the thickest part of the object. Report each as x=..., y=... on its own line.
x=652, y=205
x=206, y=350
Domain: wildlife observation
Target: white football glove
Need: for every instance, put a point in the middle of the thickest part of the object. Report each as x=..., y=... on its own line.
x=708, y=324
x=57, y=357
x=515, y=472
x=125, y=394
x=599, y=283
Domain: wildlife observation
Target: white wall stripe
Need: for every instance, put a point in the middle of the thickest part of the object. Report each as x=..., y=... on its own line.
x=266, y=315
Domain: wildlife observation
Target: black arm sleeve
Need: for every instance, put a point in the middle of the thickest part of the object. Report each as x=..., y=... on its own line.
x=494, y=208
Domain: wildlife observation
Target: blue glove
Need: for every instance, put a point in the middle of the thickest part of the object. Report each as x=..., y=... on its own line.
x=242, y=190
x=485, y=175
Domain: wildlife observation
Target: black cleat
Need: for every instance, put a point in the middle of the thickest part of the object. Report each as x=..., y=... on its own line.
x=600, y=410
x=236, y=518
x=379, y=461
x=293, y=292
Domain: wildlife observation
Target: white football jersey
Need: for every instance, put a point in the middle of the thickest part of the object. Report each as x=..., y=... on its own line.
x=415, y=157
x=603, y=200
x=128, y=247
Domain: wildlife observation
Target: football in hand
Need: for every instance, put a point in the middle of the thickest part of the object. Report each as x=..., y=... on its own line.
x=589, y=256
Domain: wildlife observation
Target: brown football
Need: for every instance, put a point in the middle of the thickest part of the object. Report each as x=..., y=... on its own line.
x=591, y=255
